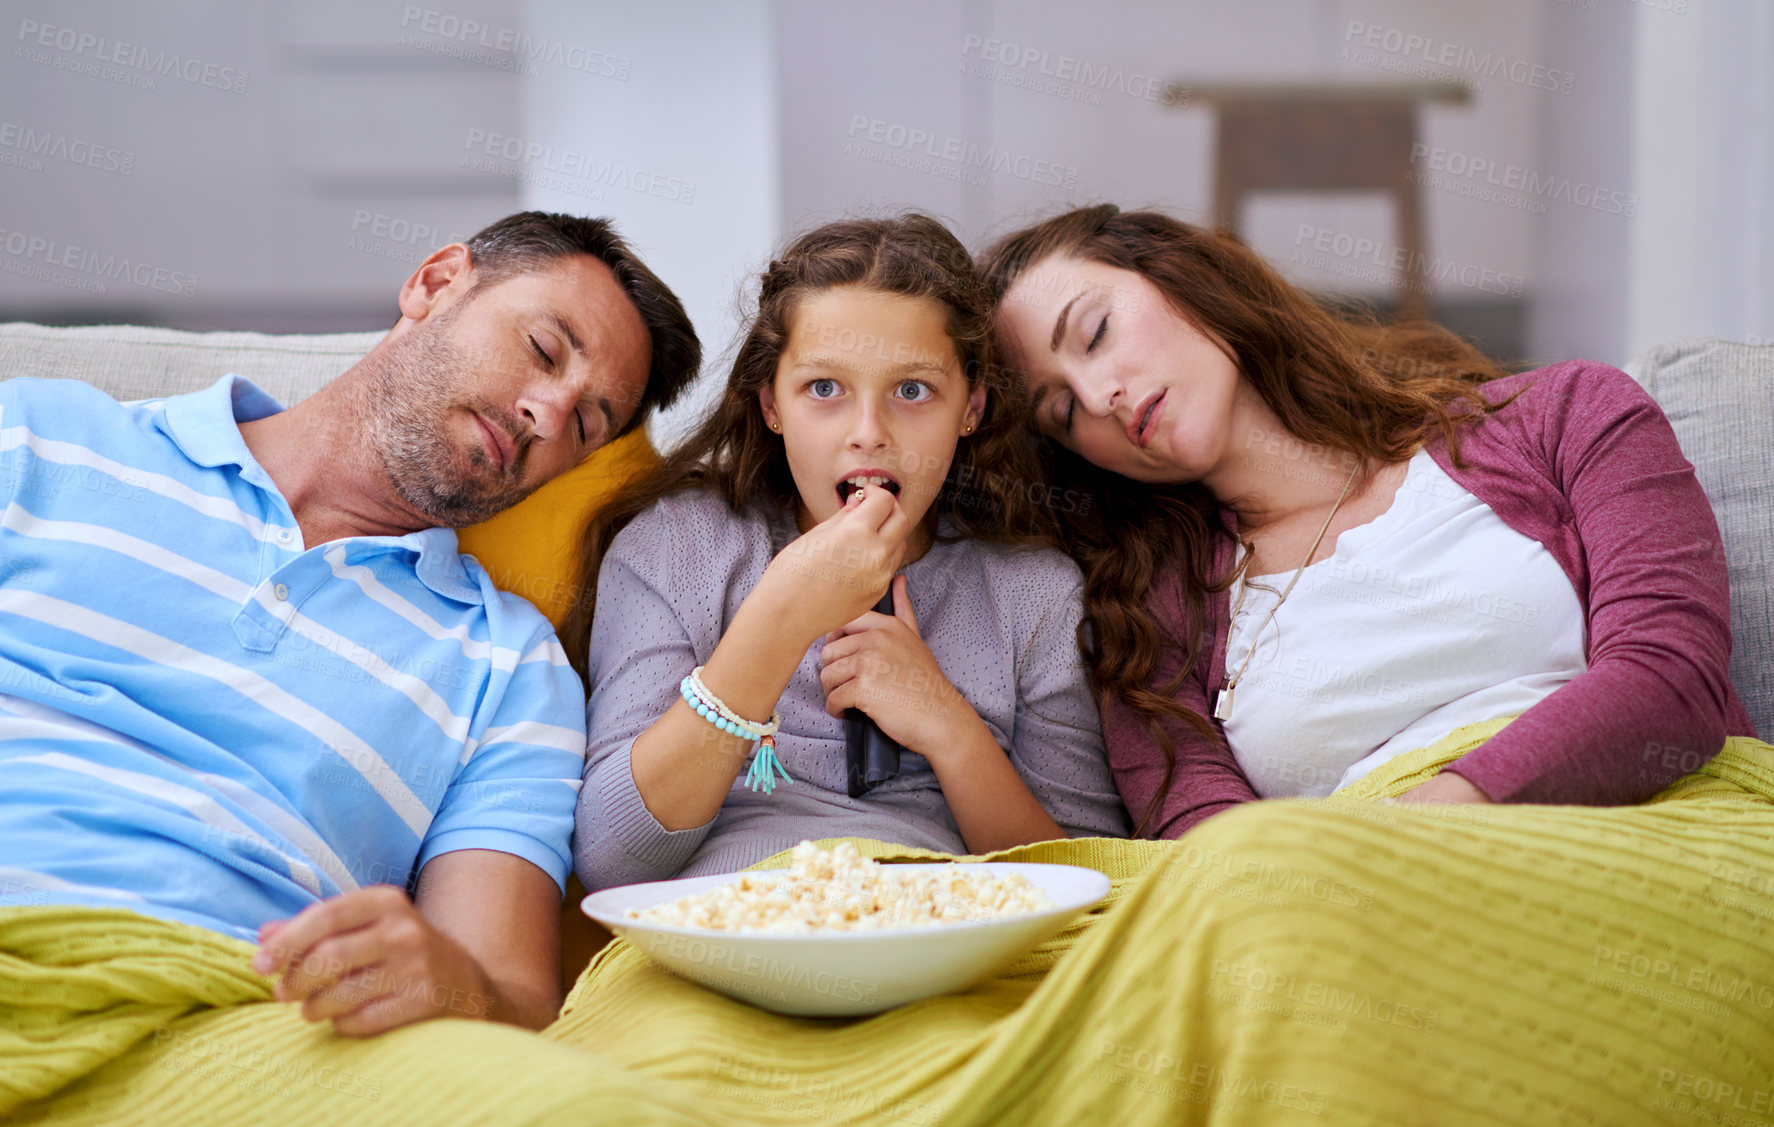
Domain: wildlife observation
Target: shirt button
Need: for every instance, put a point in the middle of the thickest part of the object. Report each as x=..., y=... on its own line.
x=285, y=536
x=281, y=592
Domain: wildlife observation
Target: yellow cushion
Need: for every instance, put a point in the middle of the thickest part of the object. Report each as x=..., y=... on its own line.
x=532, y=548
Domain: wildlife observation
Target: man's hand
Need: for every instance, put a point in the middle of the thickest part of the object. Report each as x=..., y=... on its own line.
x=371, y=962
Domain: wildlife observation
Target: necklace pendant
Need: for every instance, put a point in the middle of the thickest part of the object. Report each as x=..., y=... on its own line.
x=1222, y=705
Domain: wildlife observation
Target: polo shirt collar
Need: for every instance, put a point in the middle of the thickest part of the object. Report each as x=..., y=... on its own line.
x=206, y=426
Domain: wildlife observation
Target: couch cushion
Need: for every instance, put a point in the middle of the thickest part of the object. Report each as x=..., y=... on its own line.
x=1719, y=396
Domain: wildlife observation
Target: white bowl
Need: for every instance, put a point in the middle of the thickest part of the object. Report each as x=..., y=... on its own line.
x=846, y=973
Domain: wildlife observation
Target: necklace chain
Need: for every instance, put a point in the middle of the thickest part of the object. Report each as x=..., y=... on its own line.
x=1222, y=709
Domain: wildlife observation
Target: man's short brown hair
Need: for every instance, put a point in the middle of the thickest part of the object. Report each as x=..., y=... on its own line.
x=535, y=240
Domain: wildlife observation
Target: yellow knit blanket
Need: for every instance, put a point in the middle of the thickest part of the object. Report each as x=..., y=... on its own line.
x=1337, y=961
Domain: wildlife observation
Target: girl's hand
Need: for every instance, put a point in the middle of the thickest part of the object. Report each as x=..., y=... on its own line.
x=880, y=664
x=838, y=568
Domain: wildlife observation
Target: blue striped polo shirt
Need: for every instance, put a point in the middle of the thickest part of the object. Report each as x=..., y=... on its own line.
x=205, y=719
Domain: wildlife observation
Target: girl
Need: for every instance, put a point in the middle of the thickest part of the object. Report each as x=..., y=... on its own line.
x=847, y=456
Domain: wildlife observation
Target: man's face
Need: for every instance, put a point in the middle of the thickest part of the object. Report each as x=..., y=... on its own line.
x=499, y=390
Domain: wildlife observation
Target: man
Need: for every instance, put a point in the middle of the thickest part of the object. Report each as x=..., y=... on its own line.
x=246, y=680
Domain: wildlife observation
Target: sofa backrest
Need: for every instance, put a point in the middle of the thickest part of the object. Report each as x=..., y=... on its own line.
x=1719, y=397
x=129, y=362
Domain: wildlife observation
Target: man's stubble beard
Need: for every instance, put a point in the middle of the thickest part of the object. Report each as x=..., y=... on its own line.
x=422, y=380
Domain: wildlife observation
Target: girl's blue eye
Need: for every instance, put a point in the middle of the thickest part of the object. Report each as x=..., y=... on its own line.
x=823, y=389
x=918, y=387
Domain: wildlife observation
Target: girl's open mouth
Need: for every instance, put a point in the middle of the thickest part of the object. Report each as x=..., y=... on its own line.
x=857, y=480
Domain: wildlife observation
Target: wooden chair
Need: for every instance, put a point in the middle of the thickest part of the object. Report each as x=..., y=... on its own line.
x=1326, y=137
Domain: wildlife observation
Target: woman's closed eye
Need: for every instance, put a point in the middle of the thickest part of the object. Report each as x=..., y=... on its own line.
x=1102, y=329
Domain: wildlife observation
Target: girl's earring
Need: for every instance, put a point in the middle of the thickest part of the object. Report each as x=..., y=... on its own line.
x=968, y=429
x=776, y=426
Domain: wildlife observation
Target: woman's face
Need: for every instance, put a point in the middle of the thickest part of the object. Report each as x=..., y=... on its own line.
x=869, y=387
x=1115, y=373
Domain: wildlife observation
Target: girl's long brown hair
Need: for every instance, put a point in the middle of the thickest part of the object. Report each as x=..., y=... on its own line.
x=993, y=488
x=1370, y=389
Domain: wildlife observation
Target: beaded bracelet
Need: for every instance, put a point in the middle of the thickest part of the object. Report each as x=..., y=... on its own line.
x=764, y=765
x=717, y=713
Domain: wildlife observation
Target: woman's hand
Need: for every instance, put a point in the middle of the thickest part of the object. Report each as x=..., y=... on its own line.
x=879, y=664
x=1445, y=787
x=370, y=961
x=837, y=569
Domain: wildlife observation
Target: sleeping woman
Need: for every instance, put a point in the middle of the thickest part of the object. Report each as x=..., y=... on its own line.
x=866, y=443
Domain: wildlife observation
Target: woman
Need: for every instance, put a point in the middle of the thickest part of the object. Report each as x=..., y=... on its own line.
x=1368, y=534
x=734, y=586
x=1317, y=547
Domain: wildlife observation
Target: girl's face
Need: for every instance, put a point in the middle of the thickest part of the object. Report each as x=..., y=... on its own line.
x=869, y=388
x=1116, y=374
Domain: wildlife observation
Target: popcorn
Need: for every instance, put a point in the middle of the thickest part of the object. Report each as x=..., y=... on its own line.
x=840, y=890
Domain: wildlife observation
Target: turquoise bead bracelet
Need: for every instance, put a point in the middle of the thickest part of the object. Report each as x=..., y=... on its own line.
x=765, y=765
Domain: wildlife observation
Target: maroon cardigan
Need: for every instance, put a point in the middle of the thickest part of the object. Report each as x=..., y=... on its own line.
x=1584, y=462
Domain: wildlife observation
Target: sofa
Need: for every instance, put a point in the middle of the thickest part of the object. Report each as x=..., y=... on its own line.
x=1718, y=395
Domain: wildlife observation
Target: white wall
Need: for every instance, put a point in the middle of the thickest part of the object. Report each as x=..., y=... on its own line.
x=922, y=66
x=1582, y=255
x=1702, y=254
x=682, y=153
x=300, y=204
x=297, y=196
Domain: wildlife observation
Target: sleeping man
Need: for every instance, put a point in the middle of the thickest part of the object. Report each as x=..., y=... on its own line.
x=248, y=683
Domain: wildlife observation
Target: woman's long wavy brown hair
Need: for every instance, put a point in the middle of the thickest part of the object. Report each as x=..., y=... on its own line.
x=993, y=489
x=1371, y=389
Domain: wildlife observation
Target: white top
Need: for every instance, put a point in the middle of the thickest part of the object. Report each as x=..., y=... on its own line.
x=1432, y=616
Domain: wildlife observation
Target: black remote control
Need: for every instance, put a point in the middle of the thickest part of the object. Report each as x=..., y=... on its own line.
x=871, y=755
